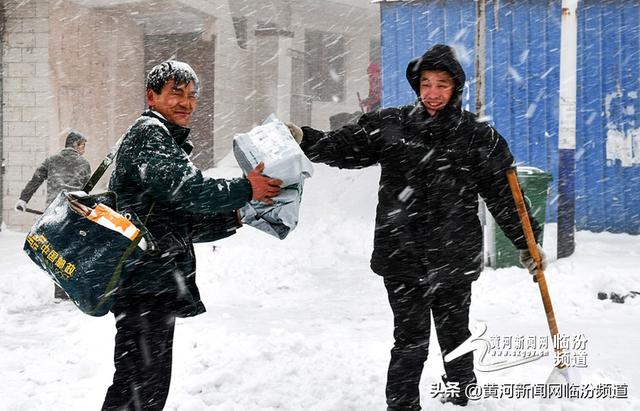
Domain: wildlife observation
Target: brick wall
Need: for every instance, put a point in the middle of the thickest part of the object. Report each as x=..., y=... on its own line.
x=26, y=95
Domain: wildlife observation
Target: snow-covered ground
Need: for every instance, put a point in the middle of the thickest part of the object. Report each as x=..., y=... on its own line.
x=303, y=324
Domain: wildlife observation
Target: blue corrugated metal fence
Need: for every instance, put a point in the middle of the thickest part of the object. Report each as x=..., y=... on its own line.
x=608, y=137
x=522, y=78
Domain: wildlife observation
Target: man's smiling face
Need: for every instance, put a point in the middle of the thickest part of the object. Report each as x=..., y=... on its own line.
x=436, y=89
x=176, y=102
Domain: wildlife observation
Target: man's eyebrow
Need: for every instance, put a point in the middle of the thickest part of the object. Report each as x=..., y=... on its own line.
x=435, y=80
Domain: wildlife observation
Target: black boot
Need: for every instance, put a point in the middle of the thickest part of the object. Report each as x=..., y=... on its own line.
x=457, y=398
x=59, y=293
x=461, y=400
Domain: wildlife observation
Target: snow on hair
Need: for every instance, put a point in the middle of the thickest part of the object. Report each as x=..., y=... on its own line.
x=180, y=72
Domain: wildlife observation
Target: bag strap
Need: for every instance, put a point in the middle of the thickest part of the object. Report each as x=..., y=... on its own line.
x=114, y=282
x=115, y=278
x=95, y=177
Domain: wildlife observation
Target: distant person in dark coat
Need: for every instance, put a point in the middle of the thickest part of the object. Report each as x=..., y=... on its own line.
x=66, y=170
x=154, y=177
x=435, y=159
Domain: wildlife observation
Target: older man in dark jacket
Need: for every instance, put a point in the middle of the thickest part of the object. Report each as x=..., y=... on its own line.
x=435, y=160
x=155, y=178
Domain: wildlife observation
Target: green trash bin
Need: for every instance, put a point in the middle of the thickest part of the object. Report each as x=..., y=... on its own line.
x=535, y=185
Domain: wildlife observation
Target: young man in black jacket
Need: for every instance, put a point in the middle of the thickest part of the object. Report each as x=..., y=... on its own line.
x=155, y=178
x=435, y=160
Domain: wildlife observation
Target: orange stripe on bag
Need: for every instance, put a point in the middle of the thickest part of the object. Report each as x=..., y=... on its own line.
x=107, y=217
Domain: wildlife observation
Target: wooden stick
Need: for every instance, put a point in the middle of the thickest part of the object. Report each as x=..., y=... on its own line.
x=512, y=178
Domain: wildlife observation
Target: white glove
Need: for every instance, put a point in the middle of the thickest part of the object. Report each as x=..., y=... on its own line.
x=529, y=263
x=21, y=205
x=296, y=132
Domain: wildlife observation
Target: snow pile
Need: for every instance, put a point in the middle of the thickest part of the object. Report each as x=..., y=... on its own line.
x=24, y=286
x=303, y=324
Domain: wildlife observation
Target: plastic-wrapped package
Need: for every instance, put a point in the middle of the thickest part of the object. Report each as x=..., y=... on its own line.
x=273, y=144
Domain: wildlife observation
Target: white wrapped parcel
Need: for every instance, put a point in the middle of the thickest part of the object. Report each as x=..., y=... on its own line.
x=273, y=144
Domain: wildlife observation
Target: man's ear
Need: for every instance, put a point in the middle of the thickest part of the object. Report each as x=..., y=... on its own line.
x=150, y=99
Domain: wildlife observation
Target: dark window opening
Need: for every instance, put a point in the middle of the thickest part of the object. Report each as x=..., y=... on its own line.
x=325, y=66
x=240, y=27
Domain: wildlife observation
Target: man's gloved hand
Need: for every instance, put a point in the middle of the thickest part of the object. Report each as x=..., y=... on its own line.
x=264, y=188
x=21, y=205
x=529, y=263
x=296, y=132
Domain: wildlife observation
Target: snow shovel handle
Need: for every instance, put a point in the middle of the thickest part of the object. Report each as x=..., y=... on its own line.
x=512, y=178
x=32, y=211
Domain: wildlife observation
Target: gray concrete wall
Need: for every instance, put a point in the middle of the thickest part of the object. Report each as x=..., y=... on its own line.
x=96, y=74
x=358, y=22
x=79, y=64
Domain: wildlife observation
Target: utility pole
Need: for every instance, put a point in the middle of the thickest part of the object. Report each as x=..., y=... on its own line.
x=2, y=29
x=490, y=253
x=481, y=56
x=567, y=129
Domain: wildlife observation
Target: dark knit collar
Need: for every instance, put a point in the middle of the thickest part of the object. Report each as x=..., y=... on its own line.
x=448, y=115
x=419, y=122
x=180, y=134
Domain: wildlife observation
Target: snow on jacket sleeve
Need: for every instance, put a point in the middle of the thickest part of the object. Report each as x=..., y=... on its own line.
x=171, y=177
x=352, y=146
x=492, y=162
x=212, y=227
x=36, y=181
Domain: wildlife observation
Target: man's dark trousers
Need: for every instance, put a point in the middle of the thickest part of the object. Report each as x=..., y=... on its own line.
x=143, y=354
x=412, y=305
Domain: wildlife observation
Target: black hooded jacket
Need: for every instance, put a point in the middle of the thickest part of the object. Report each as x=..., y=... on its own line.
x=432, y=171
